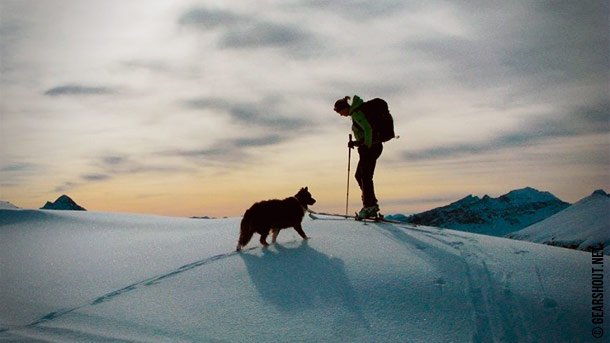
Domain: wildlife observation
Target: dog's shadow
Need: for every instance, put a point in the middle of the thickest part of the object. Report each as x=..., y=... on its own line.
x=300, y=278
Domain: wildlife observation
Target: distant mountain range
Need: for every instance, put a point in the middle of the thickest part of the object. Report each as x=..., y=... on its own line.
x=583, y=226
x=508, y=213
x=63, y=203
x=5, y=205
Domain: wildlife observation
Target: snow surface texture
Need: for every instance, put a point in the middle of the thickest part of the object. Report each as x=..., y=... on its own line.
x=83, y=276
x=510, y=212
x=584, y=225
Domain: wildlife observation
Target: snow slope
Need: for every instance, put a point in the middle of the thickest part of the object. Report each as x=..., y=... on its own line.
x=84, y=276
x=584, y=225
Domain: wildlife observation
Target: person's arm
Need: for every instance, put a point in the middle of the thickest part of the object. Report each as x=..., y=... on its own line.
x=360, y=119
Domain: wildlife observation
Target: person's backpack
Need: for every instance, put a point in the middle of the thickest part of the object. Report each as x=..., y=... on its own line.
x=378, y=115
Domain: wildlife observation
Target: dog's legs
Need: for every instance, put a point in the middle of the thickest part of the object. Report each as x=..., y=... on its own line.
x=263, y=239
x=274, y=233
x=300, y=231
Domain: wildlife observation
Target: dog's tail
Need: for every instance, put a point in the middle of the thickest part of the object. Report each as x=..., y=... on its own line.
x=246, y=231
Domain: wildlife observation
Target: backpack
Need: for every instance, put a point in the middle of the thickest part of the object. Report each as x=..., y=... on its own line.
x=377, y=113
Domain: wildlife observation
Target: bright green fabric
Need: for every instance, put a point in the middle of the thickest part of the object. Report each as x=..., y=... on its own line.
x=361, y=127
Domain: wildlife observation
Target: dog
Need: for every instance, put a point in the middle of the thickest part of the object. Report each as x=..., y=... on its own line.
x=272, y=216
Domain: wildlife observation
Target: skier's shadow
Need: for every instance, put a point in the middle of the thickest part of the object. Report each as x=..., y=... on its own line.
x=294, y=279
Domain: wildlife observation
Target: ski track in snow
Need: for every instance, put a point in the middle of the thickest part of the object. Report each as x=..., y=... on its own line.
x=144, y=283
x=487, y=303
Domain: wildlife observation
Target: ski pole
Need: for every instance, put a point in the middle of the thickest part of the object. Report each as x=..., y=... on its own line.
x=349, y=162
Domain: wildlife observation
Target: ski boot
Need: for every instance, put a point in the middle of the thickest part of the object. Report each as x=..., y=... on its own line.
x=370, y=212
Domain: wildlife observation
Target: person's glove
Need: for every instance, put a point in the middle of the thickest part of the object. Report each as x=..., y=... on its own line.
x=353, y=144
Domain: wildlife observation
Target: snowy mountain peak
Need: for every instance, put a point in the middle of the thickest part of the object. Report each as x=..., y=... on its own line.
x=599, y=196
x=600, y=192
x=584, y=225
x=467, y=200
x=528, y=194
x=64, y=203
x=493, y=216
x=5, y=205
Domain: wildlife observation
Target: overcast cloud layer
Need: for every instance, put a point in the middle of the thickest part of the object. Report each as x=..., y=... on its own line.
x=96, y=92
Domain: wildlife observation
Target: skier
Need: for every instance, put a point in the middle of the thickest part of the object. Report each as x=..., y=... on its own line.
x=368, y=150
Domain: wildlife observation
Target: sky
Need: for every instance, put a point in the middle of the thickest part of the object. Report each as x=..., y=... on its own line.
x=191, y=108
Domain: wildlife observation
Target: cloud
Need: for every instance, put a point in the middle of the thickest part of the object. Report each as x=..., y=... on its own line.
x=570, y=41
x=241, y=31
x=66, y=186
x=19, y=167
x=262, y=35
x=111, y=161
x=580, y=121
x=206, y=19
x=257, y=141
x=263, y=114
x=518, y=54
x=262, y=126
x=531, y=47
x=360, y=10
x=16, y=174
x=147, y=65
x=228, y=150
x=95, y=177
x=78, y=90
x=110, y=166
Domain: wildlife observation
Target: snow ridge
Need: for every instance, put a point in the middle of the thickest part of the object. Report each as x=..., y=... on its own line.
x=583, y=226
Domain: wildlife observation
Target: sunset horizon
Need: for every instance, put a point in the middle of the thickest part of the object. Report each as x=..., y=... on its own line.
x=197, y=108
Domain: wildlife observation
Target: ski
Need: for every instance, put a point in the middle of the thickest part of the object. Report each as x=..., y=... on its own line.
x=316, y=215
x=377, y=219
x=380, y=218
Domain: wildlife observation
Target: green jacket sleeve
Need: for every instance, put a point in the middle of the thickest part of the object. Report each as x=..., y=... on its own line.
x=359, y=118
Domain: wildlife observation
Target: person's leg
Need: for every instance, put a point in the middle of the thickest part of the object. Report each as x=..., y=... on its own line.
x=359, y=168
x=366, y=171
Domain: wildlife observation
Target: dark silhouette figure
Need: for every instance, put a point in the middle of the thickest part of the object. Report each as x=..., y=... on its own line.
x=274, y=215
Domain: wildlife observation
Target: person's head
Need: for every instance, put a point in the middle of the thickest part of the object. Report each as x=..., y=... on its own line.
x=342, y=106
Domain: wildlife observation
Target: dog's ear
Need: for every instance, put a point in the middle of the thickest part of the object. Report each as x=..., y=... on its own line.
x=306, y=189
